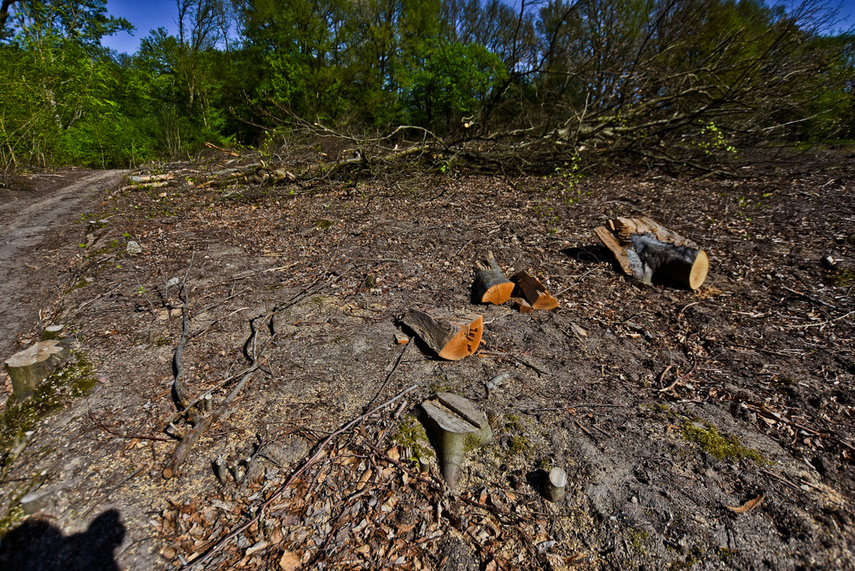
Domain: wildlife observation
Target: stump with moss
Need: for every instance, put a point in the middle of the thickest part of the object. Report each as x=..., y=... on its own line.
x=28, y=368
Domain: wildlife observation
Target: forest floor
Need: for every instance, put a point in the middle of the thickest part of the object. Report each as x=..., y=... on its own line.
x=704, y=429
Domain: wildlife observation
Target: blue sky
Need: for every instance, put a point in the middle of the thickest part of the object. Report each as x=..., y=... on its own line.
x=145, y=16
x=152, y=14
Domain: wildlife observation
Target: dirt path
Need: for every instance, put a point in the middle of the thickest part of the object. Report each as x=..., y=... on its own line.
x=31, y=214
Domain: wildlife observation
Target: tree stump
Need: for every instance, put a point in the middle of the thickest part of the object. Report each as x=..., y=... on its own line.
x=646, y=250
x=28, y=368
x=556, y=482
x=448, y=341
x=534, y=292
x=52, y=332
x=491, y=286
x=457, y=428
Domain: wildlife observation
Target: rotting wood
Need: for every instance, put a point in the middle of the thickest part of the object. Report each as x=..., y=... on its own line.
x=215, y=147
x=534, y=292
x=182, y=450
x=491, y=285
x=645, y=249
x=444, y=339
x=179, y=393
x=30, y=367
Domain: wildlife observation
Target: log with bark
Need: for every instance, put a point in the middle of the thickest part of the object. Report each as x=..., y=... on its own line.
x=491, y=286
x=647, y=250
x=448, y=340
x=28, y=368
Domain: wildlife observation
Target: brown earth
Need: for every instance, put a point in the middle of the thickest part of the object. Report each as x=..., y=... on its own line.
x=667, y=408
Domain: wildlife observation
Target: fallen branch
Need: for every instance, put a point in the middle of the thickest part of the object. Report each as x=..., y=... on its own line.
x=103, y=427
x=186, y=445
x=178, y=391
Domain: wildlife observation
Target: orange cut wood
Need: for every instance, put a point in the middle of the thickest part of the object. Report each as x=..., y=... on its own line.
x=534, y=292
x=465, y=342
x=491, y=286
x=448, y=342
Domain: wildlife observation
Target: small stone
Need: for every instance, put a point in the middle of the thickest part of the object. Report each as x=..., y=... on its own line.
x=133, y=248
x=578, y=330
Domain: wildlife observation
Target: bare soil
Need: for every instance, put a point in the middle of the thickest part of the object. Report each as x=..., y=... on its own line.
x=700, y=430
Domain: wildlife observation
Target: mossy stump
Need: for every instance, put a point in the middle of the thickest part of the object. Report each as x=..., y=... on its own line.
x=28, y=368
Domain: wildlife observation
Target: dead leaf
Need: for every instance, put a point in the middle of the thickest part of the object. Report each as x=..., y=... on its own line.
x=394, y=454
x=290, y=561
x=747, y=506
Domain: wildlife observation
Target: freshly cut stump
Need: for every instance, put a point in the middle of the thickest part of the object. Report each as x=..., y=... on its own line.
x=458, y=428
x=28, y=368
x=449, y=342
x=491, y=286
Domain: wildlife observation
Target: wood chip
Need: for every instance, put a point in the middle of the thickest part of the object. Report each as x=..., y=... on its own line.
x=747, y=506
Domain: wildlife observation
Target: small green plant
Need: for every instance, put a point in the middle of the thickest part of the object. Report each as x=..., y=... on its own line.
x=518, y=444
x=843, y=278
x=712, y=141
x=571, y=173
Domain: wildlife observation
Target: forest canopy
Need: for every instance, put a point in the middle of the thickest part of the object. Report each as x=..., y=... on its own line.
x=685, y=81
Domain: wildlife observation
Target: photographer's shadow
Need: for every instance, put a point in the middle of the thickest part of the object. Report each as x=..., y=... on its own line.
x=37, y=545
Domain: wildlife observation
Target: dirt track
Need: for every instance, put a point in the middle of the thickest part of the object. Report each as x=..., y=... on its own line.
x=51, y=202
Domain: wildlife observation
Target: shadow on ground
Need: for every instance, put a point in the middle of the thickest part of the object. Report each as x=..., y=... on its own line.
x=37, y=545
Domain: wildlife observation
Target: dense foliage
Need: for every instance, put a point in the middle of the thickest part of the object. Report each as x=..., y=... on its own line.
x=683, y=80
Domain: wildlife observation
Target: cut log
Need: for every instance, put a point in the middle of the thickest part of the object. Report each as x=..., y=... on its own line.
x=449, y=342
x=646, y=250
x=457, y=428
x=28, y=368
x=491, y=286
x=534, y=292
